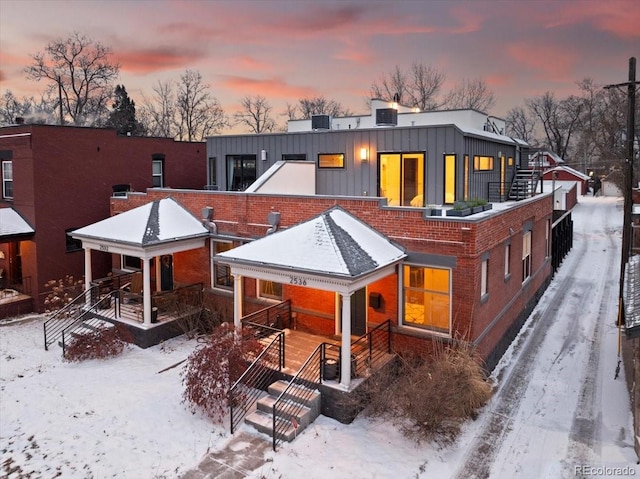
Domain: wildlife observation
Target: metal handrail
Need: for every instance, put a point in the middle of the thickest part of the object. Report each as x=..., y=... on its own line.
x=245, y=392
x=277, y=316
x=65, y=316
x=371, y=346
x=285, y=410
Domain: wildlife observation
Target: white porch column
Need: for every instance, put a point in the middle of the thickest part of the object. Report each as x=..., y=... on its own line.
x=345, y=358
x=146, y=291
x=237, y=300
x=87, y=269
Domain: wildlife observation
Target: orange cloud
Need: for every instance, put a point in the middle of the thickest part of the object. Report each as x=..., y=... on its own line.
x=270, y=88
x=250, y=63
x=143, y=61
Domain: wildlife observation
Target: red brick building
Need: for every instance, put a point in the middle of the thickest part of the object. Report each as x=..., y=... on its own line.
x=485, y=272
x=59, y=179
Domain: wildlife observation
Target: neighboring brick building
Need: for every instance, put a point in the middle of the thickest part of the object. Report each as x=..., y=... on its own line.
x=59, y=178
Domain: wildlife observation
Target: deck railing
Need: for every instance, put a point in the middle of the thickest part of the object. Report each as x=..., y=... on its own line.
x=277, y=316
x=246, y=391
x=367, y=350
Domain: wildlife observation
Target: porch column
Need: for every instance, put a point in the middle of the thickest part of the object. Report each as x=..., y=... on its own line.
x=146, y=291
x=345, y=358
x=237, y=300
x=87, y=269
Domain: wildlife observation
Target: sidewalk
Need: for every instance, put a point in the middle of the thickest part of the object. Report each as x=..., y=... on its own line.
x=243, y=454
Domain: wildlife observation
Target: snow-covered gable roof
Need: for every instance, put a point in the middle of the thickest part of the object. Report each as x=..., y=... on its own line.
x=570, y=170
x=157, y=222
x=333, y=243
x=13, y=224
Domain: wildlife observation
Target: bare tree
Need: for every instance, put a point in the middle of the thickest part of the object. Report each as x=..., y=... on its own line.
x=559, y=119
x=419, y=87
x=256, y=114
x=520, y=124
x=199, y=113
x=473, y=94
x=319, y=105
x=158, y=113
x=81, y=72
x=11, y=108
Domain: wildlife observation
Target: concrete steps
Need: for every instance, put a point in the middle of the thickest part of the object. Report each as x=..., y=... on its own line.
x=299, y=408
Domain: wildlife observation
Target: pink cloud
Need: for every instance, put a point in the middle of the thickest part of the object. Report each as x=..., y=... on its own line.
x=549, y=62
x=269, y=88
x=143, y=61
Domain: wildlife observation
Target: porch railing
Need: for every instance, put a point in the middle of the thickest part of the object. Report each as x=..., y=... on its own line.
x=277, y=316
x=368, y=349
x=67, y=315
x=246, y=391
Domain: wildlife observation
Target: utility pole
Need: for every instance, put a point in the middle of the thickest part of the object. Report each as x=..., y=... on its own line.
x=628, y=183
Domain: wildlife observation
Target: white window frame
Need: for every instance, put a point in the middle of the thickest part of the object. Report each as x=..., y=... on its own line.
x=403, y=292
x=7, y=178
x=526, y=256
x=484, y=273
x=507, y=260
x=275, y=297
x=155, y=174
x=227, y=268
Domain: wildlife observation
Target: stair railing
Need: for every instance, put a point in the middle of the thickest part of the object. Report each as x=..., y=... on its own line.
x=91, y=317
x=67, y=315
x=305, y=381
x=246, y=391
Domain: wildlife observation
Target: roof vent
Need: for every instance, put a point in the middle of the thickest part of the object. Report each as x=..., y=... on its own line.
x=320, y=122
x=386, y=117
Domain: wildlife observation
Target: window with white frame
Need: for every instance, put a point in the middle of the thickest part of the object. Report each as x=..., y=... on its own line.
x=548, y=239
x=158, y=173
x=7, y=179
x=526, y=256
x=131, y=263
x=484, y=277
x=222, y=272
x=426, y=295
x=269, y=289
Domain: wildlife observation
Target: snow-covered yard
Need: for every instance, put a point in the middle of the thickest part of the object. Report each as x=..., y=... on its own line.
x=557, y=407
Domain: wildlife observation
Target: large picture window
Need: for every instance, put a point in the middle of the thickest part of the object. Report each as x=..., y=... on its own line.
x=241, y=172
x=223, y=277
x=427, y=298
x=7, y=179
x=402, y=178
x=483, y=163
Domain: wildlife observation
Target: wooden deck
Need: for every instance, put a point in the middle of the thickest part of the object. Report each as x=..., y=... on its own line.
x=299, y=346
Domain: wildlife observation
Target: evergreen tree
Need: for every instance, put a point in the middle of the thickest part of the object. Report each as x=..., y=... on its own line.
x=123, y=115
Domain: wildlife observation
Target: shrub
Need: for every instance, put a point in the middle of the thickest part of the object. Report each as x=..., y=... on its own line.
x=214, y=366
x=62, y=292
x=102, y=343
x=430, y=400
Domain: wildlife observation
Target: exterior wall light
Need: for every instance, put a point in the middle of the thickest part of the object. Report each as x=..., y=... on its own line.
x=364, y=154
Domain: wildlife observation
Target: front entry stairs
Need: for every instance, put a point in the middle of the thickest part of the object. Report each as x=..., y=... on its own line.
x=262, y=419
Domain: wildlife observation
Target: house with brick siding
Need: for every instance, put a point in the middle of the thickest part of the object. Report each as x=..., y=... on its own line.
x=334, y=187
x=59, y=178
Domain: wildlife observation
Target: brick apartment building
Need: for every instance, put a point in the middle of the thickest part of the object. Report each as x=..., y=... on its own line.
x=58, y=178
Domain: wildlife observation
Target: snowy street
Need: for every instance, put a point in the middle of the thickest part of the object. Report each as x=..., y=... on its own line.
x=558, y=408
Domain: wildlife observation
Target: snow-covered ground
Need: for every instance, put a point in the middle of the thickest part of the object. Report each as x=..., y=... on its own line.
x=558, y=411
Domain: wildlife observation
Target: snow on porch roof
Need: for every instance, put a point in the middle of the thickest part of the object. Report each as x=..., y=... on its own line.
x=333, y=243
x=13, y=224
x=160, y=221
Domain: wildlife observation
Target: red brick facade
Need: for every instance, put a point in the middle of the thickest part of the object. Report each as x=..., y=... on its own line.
x=469, y=241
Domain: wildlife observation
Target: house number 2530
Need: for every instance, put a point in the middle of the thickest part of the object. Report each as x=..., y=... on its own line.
x=297, y=280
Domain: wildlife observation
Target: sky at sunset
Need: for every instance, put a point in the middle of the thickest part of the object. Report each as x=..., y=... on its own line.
x=286, y=50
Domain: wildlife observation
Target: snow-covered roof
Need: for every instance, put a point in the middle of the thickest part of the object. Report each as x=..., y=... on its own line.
x=160, y=221
x=570, y=170
x=333, y=243
x=12, y=223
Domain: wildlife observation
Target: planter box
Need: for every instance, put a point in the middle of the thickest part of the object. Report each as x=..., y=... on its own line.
x=463, y=212
x=488, y=206
x=477, y=209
